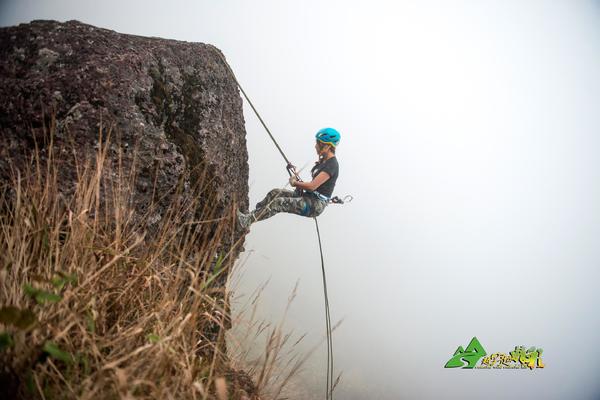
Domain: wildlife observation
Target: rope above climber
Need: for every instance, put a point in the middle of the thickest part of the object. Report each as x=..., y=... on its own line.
x=310, y=198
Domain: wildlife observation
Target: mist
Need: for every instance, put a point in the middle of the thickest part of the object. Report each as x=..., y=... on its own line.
x=469, y=142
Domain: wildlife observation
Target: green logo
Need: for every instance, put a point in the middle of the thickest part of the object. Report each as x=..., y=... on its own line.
x=470, y=355
x=519, y=358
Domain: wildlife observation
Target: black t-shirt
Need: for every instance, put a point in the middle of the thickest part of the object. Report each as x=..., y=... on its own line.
x=332, y=168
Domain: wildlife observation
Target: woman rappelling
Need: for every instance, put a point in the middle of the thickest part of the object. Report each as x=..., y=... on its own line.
x=310, y=198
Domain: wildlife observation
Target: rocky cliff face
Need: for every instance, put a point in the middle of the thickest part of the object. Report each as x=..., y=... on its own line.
x=173, y=114
x=173, y=105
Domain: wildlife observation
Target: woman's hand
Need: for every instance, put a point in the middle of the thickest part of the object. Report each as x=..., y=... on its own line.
x=293, y=180
x=320, y=179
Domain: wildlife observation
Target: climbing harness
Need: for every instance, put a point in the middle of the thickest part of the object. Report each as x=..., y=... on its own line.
x=306, y=209
x=320, y=196
x=335, y=199
x=291, y=169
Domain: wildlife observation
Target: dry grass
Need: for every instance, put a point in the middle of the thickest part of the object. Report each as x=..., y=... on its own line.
x=279, y=358
x=93, y=308
x=273, y=355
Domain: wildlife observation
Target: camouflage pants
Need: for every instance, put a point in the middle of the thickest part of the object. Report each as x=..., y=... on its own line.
x=282, y=200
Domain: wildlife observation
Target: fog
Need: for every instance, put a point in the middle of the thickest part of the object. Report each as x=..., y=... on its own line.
x=469, y=142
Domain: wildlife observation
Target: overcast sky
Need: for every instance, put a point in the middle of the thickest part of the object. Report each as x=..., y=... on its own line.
x=470, y=143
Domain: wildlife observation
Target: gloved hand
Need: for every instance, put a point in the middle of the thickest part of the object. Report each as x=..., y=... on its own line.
x=293, y=180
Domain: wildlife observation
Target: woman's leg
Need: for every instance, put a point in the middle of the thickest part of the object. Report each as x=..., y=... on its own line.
x=281, y=200
x=266, y=207
x=300, y=205
x=273, y=194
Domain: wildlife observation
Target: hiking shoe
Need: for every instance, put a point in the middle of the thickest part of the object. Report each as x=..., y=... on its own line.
x=243, y=219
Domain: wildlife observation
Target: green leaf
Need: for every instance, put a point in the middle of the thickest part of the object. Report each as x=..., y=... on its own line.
x=9, y=315
x=29, y=384
x=71, y=278
x=62, y=278
x=55, y=352
x=89, y=322
x=84, y=361
x=46, y=297
x=153, y=338
x=58, y=282
x=26, y=319
x=30, y=290
x=6, y=341
x=41, y=296
x=218, y=269
x=22, y=319
x=219, y=262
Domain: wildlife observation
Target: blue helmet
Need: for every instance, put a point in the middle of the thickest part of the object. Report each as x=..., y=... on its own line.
x=329, y=136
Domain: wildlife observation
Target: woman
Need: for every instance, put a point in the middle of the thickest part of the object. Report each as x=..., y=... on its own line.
x=316, y=193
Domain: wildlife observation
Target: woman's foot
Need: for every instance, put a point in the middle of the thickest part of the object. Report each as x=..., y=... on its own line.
x=244, y=219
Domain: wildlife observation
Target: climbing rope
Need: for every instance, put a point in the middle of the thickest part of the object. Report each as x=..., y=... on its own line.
x=292, y=171
x=252, y=105
x=329, y=387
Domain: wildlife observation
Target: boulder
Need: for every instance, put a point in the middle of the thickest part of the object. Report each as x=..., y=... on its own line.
x=171, y=108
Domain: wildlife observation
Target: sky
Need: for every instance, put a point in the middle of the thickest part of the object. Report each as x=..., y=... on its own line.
x=470, y=132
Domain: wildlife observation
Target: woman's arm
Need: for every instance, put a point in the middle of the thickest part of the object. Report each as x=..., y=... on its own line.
x=320, y=179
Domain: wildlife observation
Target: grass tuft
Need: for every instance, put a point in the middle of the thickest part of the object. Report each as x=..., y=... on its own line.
x=92, y=305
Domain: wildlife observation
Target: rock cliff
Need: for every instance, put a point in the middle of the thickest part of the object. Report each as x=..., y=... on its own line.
x=168, y=110
x=173, y=102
